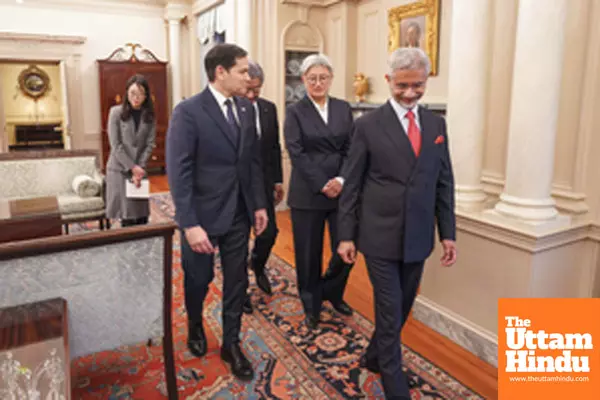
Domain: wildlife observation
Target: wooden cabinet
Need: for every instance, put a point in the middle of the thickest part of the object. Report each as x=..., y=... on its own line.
x=114, y=72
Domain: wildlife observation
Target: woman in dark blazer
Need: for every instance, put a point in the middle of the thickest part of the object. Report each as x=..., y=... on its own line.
x=131, y=132
x=317, y=136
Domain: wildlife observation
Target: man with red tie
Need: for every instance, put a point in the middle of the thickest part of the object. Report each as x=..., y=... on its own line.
x=399, y=183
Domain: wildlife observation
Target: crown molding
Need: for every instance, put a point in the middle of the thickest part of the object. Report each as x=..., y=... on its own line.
x=312, y=3
x=200, y=6
x=176, y=11
x=41, y=38
x=139, y=7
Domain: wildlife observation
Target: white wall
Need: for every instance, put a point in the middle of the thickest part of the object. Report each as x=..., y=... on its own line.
x=105, y=30
x=371, y=51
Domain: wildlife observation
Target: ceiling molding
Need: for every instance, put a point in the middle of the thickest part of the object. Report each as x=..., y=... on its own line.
x=176, y=11
x=139, y=7
x=312, y=3
x=41, y=38
x=200, y=6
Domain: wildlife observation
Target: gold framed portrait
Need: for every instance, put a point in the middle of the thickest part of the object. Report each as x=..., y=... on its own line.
x=416, y=25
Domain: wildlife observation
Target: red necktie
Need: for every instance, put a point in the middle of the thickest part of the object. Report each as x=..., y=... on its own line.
x=414, y=134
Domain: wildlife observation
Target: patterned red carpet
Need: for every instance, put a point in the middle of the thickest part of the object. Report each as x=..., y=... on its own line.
x=290, y=362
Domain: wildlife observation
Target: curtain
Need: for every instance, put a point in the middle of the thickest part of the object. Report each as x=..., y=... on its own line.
x=211, y=30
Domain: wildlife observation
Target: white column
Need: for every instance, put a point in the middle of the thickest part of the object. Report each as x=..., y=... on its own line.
x=244, y=25
x=174, y=13
x=239, y=24
x=194, y=49
x=467, y=98
x=3, y=133
x=534, y=110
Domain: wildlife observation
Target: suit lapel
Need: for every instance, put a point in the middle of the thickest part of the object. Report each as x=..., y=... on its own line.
x=143, y=128
x=139, y=134
x=128, y=132
x=393, y=128
x=262, y=116
x=214, y=111
x=265, y=119
x=331, y=116
x=428, y=132
x=314, y=117
x=243, y=116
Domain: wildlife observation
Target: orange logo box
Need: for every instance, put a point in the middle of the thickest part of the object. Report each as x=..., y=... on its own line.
x=548, y=349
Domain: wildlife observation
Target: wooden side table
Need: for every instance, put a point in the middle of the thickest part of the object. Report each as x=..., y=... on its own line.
x=24, y=219
x=34, y=350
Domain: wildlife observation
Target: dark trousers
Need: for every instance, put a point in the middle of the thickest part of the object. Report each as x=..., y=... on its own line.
x=134, y=221
x=395, y=285
x=308, y=227
x=264, y=243
x=198, y=274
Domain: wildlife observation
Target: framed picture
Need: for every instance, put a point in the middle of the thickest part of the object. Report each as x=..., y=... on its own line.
x=34, y=82
x=416, y=25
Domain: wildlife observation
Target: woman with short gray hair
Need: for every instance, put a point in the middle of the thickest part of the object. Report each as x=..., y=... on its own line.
x=317, y=136
x=315, y=60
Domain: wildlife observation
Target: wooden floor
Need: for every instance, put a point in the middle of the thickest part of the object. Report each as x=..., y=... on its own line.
x=461, y=364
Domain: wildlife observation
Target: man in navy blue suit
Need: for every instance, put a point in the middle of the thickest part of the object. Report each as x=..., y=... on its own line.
x=399, y=181
x=267, y=128
x=216, y=181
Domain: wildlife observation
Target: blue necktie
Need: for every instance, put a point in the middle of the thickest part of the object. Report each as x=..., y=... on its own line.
x=235, y=129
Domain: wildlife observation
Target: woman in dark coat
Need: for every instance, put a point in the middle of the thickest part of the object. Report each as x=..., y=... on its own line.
x=132, y=132
x=317, y=136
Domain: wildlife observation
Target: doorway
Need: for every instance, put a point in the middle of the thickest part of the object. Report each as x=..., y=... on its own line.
x=34, y=105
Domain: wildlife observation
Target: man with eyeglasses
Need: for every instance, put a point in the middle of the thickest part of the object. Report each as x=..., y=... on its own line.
x=267, y=129
x=399, y=183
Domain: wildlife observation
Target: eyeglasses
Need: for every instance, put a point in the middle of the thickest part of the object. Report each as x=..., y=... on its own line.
x=139, y=95
x=255, y=90
x=413, y=86
x=313, y=79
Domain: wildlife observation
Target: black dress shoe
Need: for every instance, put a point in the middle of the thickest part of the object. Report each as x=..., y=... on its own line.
x=196, y=339
x=263, y=283
x=247, y=307
x=312, y=322
x=343, y=308
x=240, y=366
x=369, y=364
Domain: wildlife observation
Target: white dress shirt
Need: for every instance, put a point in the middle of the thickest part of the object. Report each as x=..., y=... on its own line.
x=221, y=99
x=401, y=113
x=324, y=113
x=257, y=112
x=258, y=126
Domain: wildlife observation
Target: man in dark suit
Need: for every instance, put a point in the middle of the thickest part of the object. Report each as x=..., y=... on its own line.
x=267, y=129
x=399, y=181
x=216, y=182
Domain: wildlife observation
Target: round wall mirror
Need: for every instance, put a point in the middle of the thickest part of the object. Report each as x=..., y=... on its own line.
x=34, y=82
